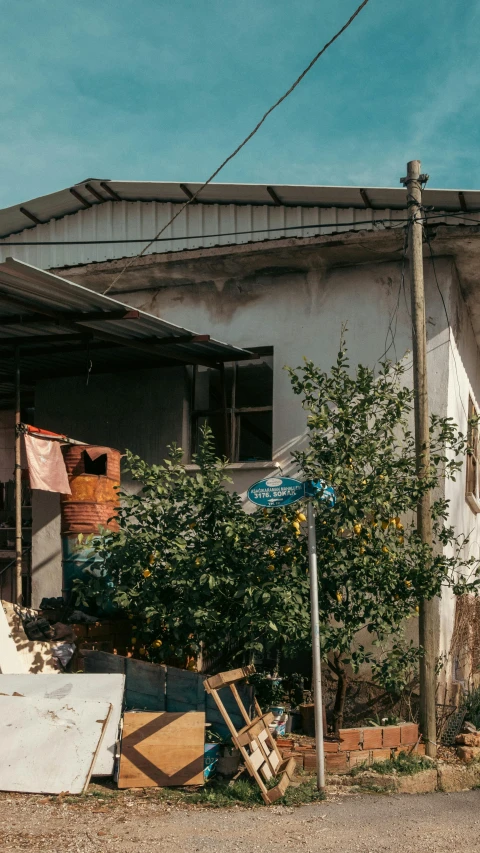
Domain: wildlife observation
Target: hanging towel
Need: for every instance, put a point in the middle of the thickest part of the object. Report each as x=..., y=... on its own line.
x=46, y=465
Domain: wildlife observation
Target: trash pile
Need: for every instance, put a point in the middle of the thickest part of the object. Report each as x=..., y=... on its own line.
x=141, y=724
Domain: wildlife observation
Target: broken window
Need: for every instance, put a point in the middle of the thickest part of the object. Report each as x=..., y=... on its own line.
x=237, y=403
x=96, y=466
x=472, y=485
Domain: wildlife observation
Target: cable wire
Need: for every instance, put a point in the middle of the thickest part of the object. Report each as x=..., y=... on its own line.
x=247, y=138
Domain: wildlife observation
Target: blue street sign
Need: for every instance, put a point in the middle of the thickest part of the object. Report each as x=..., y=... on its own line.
x=276, y=491
x=281, y=491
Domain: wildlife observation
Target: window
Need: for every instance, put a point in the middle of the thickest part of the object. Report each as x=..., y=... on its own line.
x=472, y=485
x=236, y=402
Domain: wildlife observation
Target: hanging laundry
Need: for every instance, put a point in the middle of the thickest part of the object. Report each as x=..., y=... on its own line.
x=46, y=466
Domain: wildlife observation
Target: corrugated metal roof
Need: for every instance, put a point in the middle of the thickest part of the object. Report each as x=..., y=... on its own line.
x=59, y=328
x=93, y=191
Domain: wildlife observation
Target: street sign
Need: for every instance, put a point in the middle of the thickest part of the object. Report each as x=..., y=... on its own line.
x=276, y=491
x=282, y=491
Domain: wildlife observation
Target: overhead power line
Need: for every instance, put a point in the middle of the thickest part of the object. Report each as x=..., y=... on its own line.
x=247, y=139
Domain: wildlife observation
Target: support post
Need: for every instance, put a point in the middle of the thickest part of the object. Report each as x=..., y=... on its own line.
x=317, y=666
x=18, y=485
x=427, y=620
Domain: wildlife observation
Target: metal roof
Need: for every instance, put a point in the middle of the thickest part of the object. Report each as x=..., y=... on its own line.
x=59, y=327
x=94, y=191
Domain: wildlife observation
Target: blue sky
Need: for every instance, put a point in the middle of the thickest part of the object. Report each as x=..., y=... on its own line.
x=157, y=90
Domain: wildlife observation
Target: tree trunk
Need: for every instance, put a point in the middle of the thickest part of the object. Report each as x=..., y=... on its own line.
x=339, y=707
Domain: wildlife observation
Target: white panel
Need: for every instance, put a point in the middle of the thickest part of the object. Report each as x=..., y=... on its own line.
x=266, y=772
x=199, y=225
x=274, y=760
x=263, y=736
x=49, y=745
x=10, y=660
x=256, y=759
x=77, y=687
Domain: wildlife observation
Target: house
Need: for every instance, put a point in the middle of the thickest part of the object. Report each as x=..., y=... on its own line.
x=272, y=270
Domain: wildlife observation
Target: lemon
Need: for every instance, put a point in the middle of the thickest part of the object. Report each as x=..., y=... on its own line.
x=151, y=559
x=408, y=583
x=339, y=597
x=198, y=561
x=271, y=568
x=157, y=644
x=287, y=548
x=134, y=640
x=143, y=651
x=385, y=549
x=301, y=516
x=147, y=573
x=362, y=550
x=417, y=609
x=271, y=552
x=296, y=525
x=265, y=511
x=284, y=518
x=357, y=528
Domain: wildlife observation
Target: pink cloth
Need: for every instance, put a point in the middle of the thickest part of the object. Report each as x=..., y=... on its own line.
x=46, y=466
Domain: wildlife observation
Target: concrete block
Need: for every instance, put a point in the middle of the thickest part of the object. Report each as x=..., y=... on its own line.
x=456, y=777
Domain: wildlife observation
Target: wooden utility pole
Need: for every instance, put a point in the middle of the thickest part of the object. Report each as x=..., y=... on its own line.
x=18, y=486
x=427, y=633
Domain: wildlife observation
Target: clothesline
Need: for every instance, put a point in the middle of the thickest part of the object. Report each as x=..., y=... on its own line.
x=37, y=432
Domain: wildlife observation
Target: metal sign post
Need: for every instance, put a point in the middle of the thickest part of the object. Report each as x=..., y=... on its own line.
x=317, y=664
x=281, y=491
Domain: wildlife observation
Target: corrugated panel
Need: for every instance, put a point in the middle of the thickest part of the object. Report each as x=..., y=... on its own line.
x=95, y=195
x=198, y=226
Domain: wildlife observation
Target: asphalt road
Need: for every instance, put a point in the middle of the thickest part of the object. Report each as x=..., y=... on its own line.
x=368, y=824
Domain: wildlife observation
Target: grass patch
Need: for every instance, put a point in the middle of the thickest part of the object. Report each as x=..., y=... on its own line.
x=404, y=764
x=219, y=794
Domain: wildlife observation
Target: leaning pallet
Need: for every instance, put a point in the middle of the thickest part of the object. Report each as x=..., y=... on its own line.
x=255, y=742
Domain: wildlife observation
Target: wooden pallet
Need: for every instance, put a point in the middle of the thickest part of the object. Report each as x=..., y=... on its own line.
x=255, y=742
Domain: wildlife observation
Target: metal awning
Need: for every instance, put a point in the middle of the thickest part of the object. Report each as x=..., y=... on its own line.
x=59, y=328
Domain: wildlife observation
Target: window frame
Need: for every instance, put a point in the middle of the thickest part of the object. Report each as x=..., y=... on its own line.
x=472, y=484
x=232, y=413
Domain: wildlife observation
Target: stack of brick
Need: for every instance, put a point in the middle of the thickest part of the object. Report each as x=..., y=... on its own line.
x=468, y=746
x=356, y=746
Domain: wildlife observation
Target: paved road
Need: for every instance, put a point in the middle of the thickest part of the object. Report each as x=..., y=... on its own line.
x=368, y=824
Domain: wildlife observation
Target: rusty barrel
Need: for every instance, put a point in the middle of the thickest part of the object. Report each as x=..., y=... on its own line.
x=94, y=477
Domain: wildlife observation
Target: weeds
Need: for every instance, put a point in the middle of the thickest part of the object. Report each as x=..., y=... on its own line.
x=403, y=764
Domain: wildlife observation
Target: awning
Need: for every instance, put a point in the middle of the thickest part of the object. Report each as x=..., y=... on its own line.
x=59, y=328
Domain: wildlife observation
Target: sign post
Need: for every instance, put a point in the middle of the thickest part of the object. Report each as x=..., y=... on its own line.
x=281, y=491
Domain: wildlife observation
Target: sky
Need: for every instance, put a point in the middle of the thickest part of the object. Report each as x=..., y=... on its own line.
x=164, y=91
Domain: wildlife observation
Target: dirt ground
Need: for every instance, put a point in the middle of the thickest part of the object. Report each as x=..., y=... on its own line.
x=368, y=824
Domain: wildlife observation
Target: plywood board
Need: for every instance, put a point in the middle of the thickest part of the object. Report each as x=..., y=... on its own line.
x=49, y=745
x=77, y=687
x=35, y=655
x=145, y=682
x=10, y=660
x=161, y=750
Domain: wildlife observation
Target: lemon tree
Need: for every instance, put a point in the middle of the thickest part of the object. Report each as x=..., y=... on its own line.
x=195, y=572
x=373, y=568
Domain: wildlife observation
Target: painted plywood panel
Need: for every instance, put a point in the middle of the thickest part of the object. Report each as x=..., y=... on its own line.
x=77, y=687
x=49, y=745
x=161, y=750
x=10, y=660
x=145, y=682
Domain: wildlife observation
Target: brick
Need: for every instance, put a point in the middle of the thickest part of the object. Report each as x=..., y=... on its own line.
x=360, y=756
x=310, y=761
x=409, y=733
x=381, y=754
x=420, y=749
x=336, y=763
x=285, y=743
x=372, y=738
x=330, y=745
x=391, y=736
x=350, y=739
x=298, y=756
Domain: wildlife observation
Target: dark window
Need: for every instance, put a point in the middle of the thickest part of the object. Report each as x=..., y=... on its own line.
x=236, y=402
x=96, y=466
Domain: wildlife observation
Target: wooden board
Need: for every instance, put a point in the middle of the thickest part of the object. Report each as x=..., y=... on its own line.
x=77, y=687
x=10, y=660
x=35, y=655
x=49, y=745
x=161, y=750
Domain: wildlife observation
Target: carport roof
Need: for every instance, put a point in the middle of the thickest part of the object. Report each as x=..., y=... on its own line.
x=60, y=328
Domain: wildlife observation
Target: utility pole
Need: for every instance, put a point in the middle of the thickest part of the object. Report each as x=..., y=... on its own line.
x=427, y=633
x=18, y=485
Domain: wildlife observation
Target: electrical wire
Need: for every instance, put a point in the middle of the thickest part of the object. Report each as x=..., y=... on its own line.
x=247, y=138
x=394, y=315
x=387, y=221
